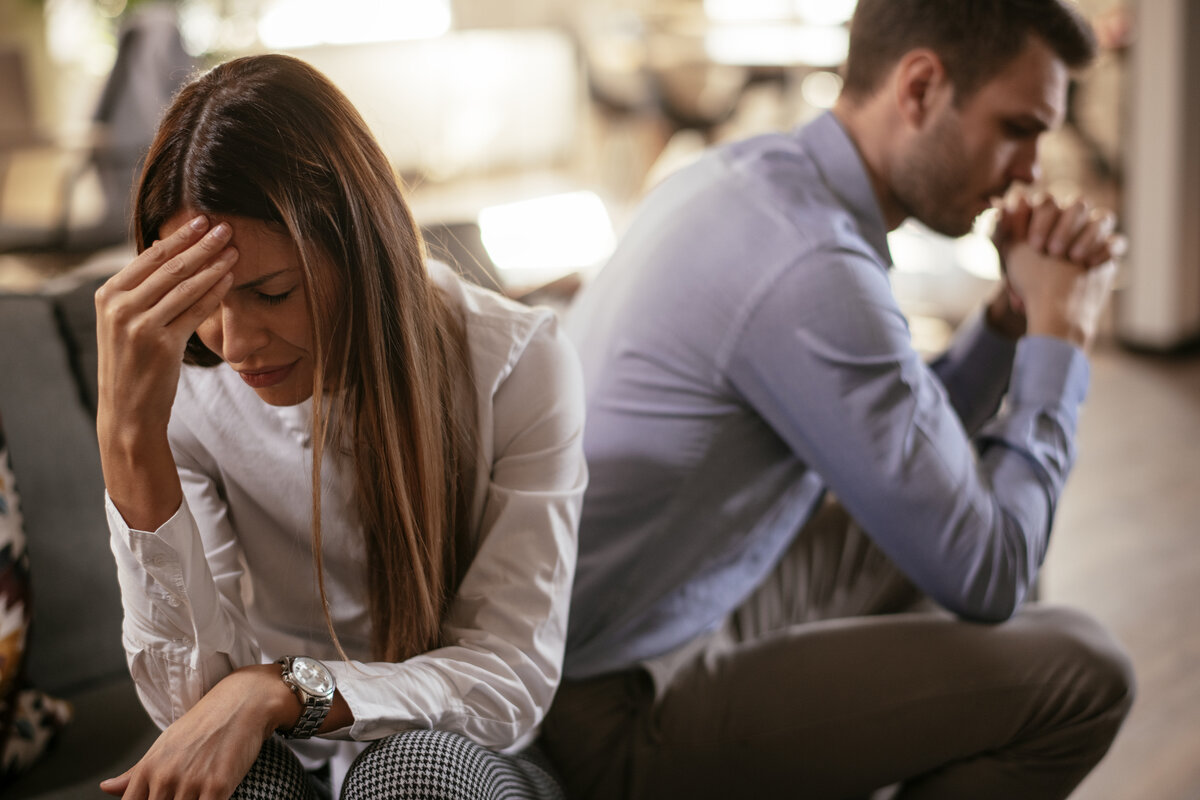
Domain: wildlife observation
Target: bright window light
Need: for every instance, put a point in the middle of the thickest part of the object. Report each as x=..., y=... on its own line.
x=747, y=10
x=913, y=250
x=976, y=254
x=814, y=12
x=291, y=24
x=820, y=89
x=825, y=12
x=557, y=233
x=751, y=45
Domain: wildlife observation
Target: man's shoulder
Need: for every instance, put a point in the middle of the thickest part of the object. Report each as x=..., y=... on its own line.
x=777, y=185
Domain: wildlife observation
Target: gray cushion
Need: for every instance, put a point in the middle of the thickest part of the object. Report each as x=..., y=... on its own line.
x=76, y=630
x=76, y=314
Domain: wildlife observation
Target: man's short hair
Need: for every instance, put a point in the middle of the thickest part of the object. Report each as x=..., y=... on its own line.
x=975, y=39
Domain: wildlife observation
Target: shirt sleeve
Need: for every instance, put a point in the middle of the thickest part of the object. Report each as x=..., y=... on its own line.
x=975, y=371
x=185, y=625
x=826, y=358
x=506, y=628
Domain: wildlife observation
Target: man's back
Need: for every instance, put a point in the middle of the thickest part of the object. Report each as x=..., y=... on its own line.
x=692, y=494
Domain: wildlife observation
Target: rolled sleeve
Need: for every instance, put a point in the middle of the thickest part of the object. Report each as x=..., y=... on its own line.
x=181, y=634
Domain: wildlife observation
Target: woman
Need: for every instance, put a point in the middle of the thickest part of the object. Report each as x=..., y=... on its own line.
x=420, y=596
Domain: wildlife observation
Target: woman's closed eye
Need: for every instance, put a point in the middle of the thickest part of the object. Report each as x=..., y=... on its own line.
x=273, y=299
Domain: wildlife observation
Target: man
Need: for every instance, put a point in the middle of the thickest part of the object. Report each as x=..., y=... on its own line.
x=775, y=473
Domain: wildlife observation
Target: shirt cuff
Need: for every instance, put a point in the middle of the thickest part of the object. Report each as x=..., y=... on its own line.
x=1048, y=371
x=158, y=551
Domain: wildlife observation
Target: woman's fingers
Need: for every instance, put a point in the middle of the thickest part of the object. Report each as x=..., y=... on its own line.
x=173, y=287
x=154, y=256
x=190, y=299
x=117, y=786
x=195, y=311
x=181, y=265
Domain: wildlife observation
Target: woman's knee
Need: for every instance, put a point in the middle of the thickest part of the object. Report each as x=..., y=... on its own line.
x=437, y=764
x=276, y=775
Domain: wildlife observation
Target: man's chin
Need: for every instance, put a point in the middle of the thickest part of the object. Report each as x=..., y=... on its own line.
x=953, y=228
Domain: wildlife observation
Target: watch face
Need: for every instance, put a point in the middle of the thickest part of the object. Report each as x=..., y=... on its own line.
x=312, y=676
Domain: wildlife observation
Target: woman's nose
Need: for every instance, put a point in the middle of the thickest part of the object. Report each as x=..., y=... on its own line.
x=241, y=333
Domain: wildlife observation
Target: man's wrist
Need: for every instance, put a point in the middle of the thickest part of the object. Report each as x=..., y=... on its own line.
x=1060, y=328
x=1002, y=319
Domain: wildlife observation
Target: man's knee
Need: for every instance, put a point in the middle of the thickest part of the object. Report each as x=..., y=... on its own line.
x=1086, y=654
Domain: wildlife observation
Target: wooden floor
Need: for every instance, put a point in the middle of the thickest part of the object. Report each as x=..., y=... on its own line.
x=1126, y=548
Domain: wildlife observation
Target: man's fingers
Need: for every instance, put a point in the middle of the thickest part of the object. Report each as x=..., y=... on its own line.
x=1114, y=248
x=1020, y=219
x=1067, y=228
x=1095, y=235
x=1043, y=216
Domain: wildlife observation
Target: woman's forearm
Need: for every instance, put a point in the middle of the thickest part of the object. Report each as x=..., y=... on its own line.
x=139, y=474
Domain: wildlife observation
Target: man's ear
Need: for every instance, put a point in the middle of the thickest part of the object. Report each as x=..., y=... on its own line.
x=920, y=84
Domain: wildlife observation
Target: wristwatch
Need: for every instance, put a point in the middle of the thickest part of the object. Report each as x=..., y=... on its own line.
x=313, y=684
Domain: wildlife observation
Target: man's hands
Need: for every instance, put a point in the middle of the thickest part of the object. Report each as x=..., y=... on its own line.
x=1058, y=265
x=144, y=317
x=205, y=753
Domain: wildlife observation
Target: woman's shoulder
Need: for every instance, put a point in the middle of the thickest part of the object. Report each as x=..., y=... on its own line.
x=500, y=331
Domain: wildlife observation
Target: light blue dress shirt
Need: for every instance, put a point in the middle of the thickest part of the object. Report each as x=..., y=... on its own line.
x=742, y=352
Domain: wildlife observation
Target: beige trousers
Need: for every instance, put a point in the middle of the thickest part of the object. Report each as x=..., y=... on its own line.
x=827, y=684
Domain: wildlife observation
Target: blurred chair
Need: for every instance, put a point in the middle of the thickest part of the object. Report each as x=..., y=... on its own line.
x=151, y=65
x=18, y=128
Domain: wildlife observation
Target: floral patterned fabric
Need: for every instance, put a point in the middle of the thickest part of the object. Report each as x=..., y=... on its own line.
x=29, y=718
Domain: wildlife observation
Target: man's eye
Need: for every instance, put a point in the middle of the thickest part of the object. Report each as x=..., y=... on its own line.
x=1018, y=131
x=274, y=299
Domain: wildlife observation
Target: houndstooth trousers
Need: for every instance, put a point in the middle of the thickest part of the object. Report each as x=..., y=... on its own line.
x=414, y=765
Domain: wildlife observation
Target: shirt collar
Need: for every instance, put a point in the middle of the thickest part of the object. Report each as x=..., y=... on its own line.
x=844, y=172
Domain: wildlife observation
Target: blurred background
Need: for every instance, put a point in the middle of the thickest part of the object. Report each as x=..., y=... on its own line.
x=526, y=131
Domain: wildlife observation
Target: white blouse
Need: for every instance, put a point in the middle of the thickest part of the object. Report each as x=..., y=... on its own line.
x=229, y=580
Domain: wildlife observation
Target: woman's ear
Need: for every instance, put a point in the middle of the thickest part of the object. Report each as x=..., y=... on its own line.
x=920, y=85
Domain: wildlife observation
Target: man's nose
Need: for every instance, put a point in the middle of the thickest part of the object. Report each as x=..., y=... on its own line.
x=1025, y=166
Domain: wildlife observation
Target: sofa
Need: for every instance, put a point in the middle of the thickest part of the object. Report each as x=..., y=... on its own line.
x=73, y=650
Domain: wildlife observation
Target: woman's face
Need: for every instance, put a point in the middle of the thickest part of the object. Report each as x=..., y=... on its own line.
x=262, y=329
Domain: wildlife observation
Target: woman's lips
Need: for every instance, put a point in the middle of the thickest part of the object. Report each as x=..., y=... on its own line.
x=265, y=378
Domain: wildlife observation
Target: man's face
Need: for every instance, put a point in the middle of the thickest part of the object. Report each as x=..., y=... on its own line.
x=966, y=155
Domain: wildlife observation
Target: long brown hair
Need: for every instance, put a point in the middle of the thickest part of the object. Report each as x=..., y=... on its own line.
x=270, y=138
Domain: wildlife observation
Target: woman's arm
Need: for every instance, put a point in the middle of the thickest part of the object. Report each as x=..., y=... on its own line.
x=144, y=317
x=206, y=753
x=506, y=628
